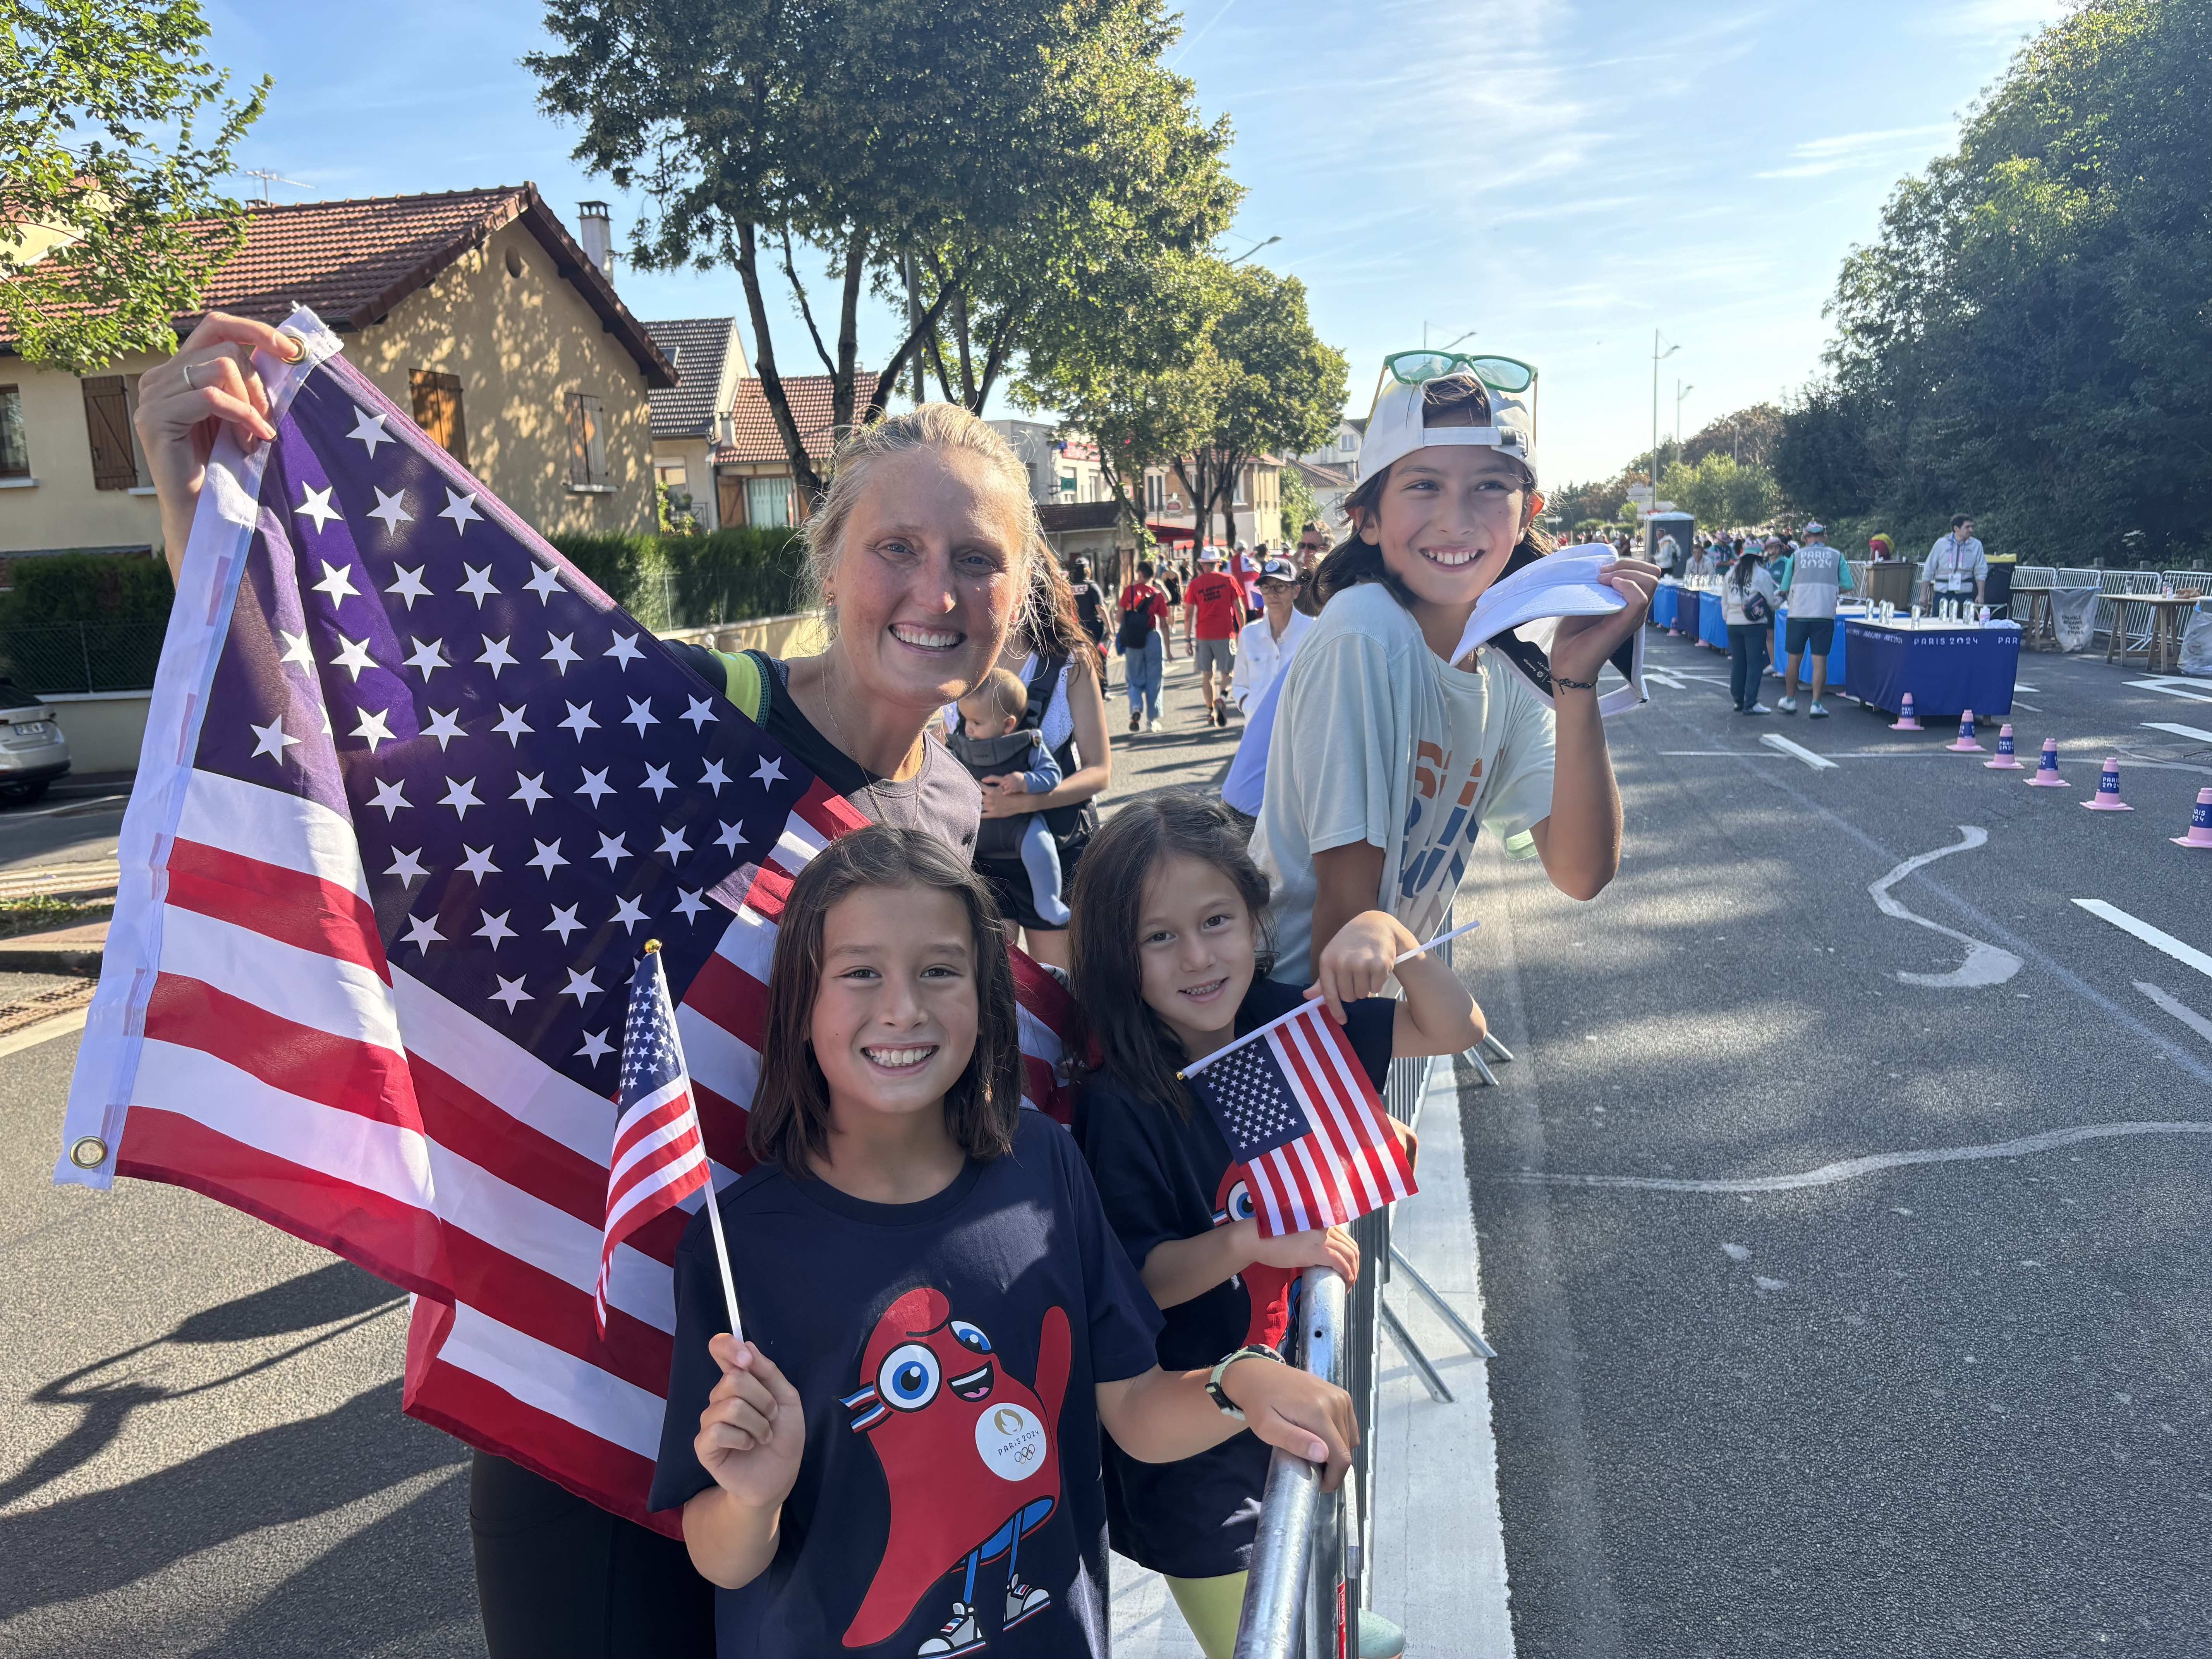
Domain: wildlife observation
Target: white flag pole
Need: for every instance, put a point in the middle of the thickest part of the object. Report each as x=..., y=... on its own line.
x=1254, y=1035
x=691, y=1107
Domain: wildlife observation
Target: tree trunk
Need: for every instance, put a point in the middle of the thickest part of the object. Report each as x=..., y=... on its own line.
x=809, y=482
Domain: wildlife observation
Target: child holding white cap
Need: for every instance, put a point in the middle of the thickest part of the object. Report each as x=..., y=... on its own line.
x=1387, y=756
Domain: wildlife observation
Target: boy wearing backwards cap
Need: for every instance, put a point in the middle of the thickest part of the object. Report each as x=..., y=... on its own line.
x=1388, y=755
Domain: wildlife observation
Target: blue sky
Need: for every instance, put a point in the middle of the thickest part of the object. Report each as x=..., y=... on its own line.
x=1562, y=177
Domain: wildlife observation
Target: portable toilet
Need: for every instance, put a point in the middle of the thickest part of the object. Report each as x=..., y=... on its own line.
x=1679, y=525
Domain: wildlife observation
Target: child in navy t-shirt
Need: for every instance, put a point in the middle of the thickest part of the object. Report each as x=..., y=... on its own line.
x=903, y=1460
x=1167, y=952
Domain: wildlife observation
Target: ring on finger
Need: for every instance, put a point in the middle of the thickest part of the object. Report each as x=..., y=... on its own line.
x=189, y=367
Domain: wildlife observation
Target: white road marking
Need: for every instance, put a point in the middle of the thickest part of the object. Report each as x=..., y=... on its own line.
x=1829, y=1175
x=2197, y=733
x=1739, y=754
x=1798, y=751
x=2186, y=954
x=2030, y=706
x=2174, y=687
x=2022, y=685
x=1985, y=964
x=2180, y=1010
x=65, y=806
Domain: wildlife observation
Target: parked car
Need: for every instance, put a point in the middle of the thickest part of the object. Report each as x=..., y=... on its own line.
x=33, y=750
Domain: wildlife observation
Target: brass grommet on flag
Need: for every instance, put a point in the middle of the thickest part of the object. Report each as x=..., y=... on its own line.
x=89, y=1153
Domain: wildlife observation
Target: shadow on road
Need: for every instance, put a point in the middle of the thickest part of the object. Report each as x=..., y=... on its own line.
x=338, y=1296
x=102, y=1541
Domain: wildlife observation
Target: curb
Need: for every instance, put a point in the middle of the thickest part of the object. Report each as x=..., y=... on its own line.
x=15, y=958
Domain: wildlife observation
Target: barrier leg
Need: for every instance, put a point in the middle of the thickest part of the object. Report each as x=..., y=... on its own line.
x=1412, y=1350
x=1498, y=1051
x=1434, y=1297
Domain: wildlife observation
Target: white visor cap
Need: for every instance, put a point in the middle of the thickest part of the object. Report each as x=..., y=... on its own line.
x=1395, y=430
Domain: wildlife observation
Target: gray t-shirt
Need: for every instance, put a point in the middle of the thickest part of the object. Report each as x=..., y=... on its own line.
x=1377, y=740
x=1817, y=573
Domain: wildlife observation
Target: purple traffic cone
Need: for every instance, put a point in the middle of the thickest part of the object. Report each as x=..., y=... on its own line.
x=2107, y=798
x=1965, y=744
x=2006, y=760
x=1905, y=722
x=2046, y=769
x=2200, y=823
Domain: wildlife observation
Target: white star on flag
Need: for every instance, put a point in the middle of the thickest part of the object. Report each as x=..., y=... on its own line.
x=530, y=790
x=624, y=650
x=629, y=913
x=564, y=921
x=493, y=928
x=354, y=654
x=714, y=777
x=391, y=793
x=611, y=848
x=496, y=655
x=511, y=726
x=461, y=509
x=422, y=932
x=542, y=582
x=337, y=582
x=656, y=779
x=548, y=855
x=445, y=726
x=429, y=655
x=595, y=785
x=271, y=739
x=369, y=429
x=479, y=585
x=510, y=991
x=296, y=651
x=317, y=506
x=563, y=651
x=408, y=866
x=580, y=985
x=460, y=796
x=580, y=720
x=373, y=726
x=596, y=1046
x=477, y=863
x=731, y=836
x=391, y=509
x=699, y=713
x=688, y=905
x=672, y=842
x=640, y=714
x=408, y=584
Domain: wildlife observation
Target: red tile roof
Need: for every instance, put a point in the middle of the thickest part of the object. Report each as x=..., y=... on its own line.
x=809, y=395
x=352, y=261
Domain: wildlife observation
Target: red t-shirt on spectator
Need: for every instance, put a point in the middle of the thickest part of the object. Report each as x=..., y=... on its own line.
x=1215, y=604
x=1144, y=595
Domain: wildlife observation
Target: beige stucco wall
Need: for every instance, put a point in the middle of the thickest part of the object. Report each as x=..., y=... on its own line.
x=63, y=509
x=519, y=344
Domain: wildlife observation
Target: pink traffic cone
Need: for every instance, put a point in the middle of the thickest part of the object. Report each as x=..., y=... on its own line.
x=1965, y=744
x=1905, y=722
x=2200, y=823
x=2046, y=769
x=2006, y=760
x=2107, y=798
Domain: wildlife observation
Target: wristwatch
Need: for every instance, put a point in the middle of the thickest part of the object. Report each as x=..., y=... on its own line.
x=1220, y=1395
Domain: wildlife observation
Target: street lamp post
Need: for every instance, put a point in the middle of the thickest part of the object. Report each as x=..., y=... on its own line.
x=1447, y=345
x=1657, y=357
x=1254, y=249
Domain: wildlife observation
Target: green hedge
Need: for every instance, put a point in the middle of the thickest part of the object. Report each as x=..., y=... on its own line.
x=690, y=582
x=73, y=587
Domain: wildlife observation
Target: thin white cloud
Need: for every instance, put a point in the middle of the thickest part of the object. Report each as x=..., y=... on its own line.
x=1988, y=20
x=1815, y=157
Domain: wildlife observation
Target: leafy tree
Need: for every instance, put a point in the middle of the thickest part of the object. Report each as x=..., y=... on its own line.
x=1721, y=492
x=1299, y=504
x=113, y=222
x=1572, y=506
x=976, y=136
x=2025, y=339
x=1749, y=434
x=1282, y=390
x=1147, y=181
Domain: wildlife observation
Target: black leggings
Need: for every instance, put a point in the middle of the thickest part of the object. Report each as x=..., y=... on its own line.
x=1747, y=661
x=560, y=1579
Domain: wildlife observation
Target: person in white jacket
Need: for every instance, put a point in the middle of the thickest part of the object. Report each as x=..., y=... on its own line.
x=1264, y=648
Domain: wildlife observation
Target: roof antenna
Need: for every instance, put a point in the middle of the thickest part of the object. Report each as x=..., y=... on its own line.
x=268, y=179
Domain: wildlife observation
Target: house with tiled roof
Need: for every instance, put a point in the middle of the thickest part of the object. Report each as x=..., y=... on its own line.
x=752, y=469
x=709, y=358
x=477, y=309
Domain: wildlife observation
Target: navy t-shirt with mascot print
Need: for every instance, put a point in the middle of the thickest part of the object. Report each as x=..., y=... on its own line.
x=1166, y=1176
x=949, y=1500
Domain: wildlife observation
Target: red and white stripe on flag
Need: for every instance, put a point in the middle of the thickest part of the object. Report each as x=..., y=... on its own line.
x=1349, y=1163
x=659, y=1162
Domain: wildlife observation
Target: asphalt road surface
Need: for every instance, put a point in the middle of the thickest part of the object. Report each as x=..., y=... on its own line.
x=1951, y=1405
x=202, y=1450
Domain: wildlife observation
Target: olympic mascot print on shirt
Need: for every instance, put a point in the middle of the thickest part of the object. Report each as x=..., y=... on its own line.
x=970, y=1456
x=1267, y=1289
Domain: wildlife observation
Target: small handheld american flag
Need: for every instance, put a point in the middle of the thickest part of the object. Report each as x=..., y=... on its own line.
x=660, y=1156
x=1298, y=1113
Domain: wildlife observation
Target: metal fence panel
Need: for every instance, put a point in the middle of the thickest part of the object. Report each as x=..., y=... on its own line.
x=82, y=656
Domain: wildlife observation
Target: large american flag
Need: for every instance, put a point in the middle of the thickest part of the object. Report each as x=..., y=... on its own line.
x=414, y=795
x=1298, y=1113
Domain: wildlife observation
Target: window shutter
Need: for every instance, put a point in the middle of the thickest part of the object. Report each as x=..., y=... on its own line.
x=729, y=499
x=108, y=424
x=595, y=442
x=438, y=410
x=579, y=453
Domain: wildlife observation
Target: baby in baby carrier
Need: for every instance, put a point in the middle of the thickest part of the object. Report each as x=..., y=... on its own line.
x=990, y=742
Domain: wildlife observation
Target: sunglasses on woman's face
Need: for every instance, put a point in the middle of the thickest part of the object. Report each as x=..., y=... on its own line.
x=1419, y=368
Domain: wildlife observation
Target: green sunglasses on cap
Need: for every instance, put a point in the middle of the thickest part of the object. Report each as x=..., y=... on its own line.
x=1419, y=368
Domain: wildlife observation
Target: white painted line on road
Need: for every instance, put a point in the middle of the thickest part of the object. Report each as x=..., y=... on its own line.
x=1985, y=964
x=2196, y=731
x=66, y=806
x=1798, y=751
x=2030, y=706
x=46, y=1030
x=1849, y=1168
x=2022, y=685
x=2188, y=955
x=1739, y=754
x=2180, y=1010
x=2172, y=688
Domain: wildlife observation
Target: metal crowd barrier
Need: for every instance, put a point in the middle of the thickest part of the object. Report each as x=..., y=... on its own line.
x=1308, y=1579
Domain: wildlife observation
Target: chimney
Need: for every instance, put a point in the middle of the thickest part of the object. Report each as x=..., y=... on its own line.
x=595, y=230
